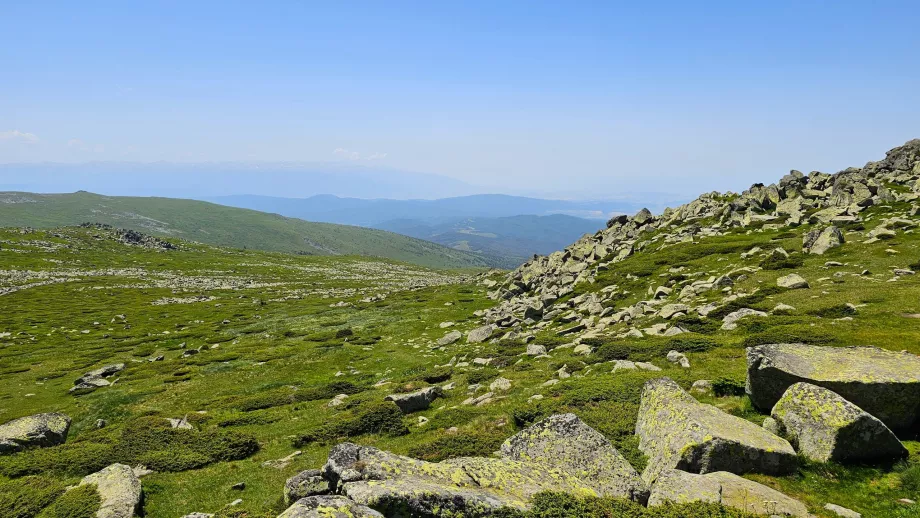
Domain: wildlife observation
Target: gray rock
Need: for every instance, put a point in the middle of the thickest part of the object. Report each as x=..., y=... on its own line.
x=304, y=484
x=500, y=385
x=725, y=488
x=826, y=427
x=480, y=334
x=793, y=281
x=678, y=358
x=415, y=401
x=535, y=350
x=702, y=387
x=676, y=431
x=35, y=431
x=119, y=491
x=819, y=241
x=885, y=384
x=669, y=310
x=450, y=338
x=842, y=511
x=564, y=442
x=328, y=506
x=95, y=379
x=730, y=321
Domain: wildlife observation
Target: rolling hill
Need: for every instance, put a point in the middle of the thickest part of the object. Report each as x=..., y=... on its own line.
x=224, y=226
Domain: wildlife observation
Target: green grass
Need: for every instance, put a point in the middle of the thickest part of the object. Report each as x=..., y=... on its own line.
x=226, y=226
x=276, y=348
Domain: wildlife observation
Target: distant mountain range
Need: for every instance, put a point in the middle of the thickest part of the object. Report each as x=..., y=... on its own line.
x=225, y=226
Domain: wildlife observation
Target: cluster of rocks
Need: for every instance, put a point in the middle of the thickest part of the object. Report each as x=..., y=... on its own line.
x=529, y=294
x=132, y=237
x=95, y=379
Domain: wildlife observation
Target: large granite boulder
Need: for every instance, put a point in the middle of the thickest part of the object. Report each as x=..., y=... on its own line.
x=119, y=491
x=328, y=506
x=885, y=384
x=415, y=401
x=564, y=442
x=826, y=427
x=469, y=486
x=724, y=488
x=676, y=431
x=34, y=431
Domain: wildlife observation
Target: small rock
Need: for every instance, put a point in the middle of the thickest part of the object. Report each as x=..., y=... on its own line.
x=842, y=511
x=793, y=281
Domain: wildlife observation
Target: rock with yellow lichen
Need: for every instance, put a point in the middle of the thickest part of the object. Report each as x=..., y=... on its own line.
x=466, y=486
x=728, y=489
x=824, y=427
x=40, y=430
x=677, y=432
x=119, y=491
x=328, y=506
x=885, y=384
x=564, y=442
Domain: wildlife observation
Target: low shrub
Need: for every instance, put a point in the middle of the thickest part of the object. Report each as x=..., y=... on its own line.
x=697, y=325
x=723, y=386
x=287, y=397
x=382, y=417
x=565, y=505
x=80, y=502
x=25, y=497
x=483, y=374
x=468, y=443
x=909, y=475
x=836, y=311
x=778, y=262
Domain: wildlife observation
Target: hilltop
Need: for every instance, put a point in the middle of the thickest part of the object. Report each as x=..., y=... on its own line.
x=709, y=361
x=224, y=226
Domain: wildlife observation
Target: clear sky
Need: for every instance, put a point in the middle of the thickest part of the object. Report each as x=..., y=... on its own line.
x=570, y=97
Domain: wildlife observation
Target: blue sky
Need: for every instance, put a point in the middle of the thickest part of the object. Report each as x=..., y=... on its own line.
x=574, y=98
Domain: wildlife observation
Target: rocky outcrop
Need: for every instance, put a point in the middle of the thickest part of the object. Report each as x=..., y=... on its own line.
x=826, y=427
x=35, y=431
x=119, y=491
x=676, y=431
x=304, y=484
x=564, y=442
x=883, y=383
x=328, y=506
x=725, y=488
x=415, y=401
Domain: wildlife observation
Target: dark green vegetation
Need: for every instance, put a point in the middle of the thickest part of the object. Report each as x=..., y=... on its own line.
x=556, y=505
x=224, y=226
x=276, y=346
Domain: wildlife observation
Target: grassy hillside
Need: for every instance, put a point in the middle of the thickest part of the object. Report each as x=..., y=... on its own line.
x=276, y=345
x=224, y=226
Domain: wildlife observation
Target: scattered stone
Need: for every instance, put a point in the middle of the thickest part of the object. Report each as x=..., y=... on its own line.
x=239, y=486
x=793, y=281
x=702, y=387
x=670, y=310
x=95, y=379
x=825, y=427
x=119, y=491
x=820, y=241
x=730, y=321
x=480, y=334
x=843, y=512
x=337, y=400
x=35, y=431
x=450, y=338
x=676, y=431
x=883, y=383
x=535, y=350
x=678, y=358
x=500, y=385
x=181, y=424
x=415, y=401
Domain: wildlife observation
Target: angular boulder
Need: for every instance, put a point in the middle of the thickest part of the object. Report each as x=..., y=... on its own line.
x=415, y=401
x=329, y=506
x=826, y=427
x=564, y=442
x=793, y=281
x=119, y=491
x=885, y=384
x=728, y=489
x=480, y=334
x=95, y=379
x=677, y=432
x=819, y=241
x=34, y=431
x=468, y=486
x=450, y=338
x=305, y=484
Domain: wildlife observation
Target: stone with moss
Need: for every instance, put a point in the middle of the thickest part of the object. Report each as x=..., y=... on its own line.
x=677, y=432
x=415, y=401
x=305, y=484
x=564, y=442
x=826, y=427
x=885, y=384
x=119, y=491
x=328, y=506
x=465, y=486
x=727, y=489
x=34, y=431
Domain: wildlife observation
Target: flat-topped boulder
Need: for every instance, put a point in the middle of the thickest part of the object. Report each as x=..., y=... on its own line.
x=722, y=487
x=415, y=401
x=564, y=442
x=328, y=506
x=826, y=427
x=119, y=491
x=95, y=379
x=677, y=432
x=885, y=384
x=467, y=486
x=34, y=431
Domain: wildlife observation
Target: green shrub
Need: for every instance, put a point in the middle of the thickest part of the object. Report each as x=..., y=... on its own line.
x=697, y=325
x=382, y=417
x=468, y=443
x=750, y=301
x=836, y=311
x=723, y=386
x=287, y=397
x=80, y=502
x=778, y=262
x=910, y=478
x=565, y=505
x=483, y=374
x=344, y=333
x=686, y=343
x=785, y=336
x=25, y=497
